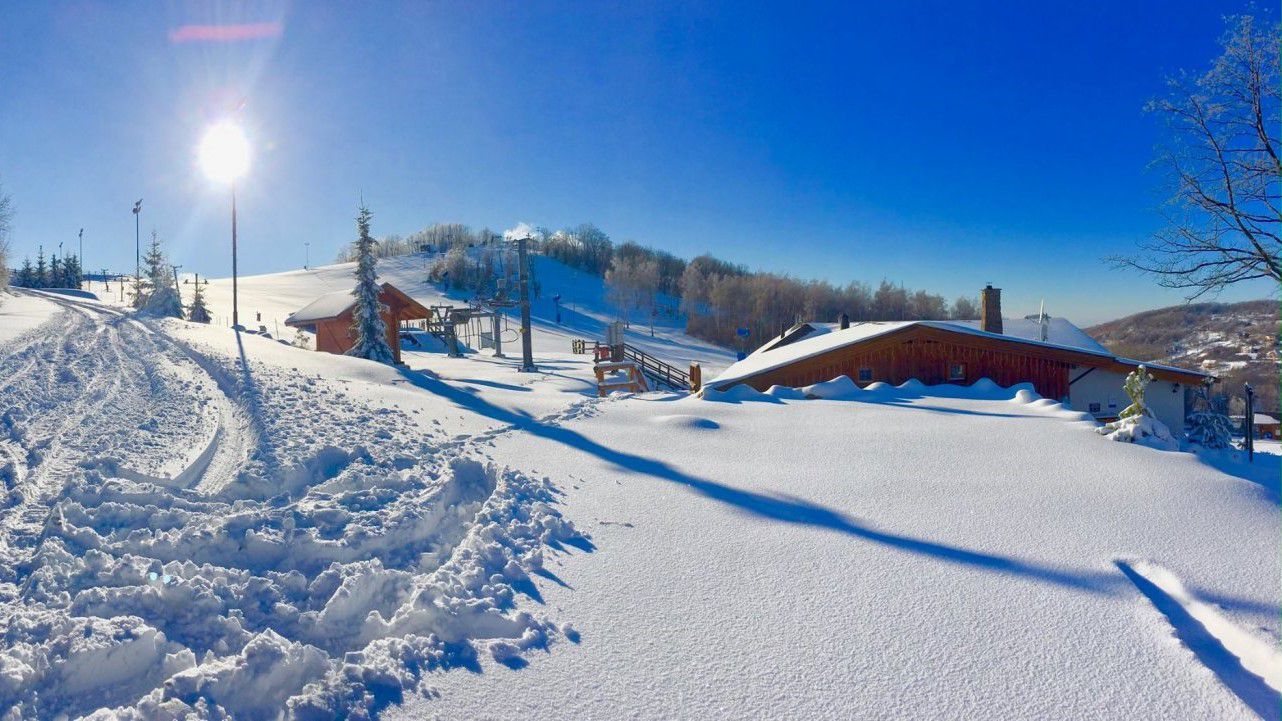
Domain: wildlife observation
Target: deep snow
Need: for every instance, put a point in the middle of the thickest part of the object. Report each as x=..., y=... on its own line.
x=891, y=553
x=199, y=521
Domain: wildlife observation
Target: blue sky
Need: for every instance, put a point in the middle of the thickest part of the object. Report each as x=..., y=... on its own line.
x=937, y=144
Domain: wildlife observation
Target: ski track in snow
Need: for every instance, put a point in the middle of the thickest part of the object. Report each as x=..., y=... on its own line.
x=187, y=533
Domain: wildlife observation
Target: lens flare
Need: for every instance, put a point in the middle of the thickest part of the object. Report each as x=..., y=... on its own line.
x=224, y=152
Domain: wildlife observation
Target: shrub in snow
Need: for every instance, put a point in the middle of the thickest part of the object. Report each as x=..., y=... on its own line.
x=304, y=340
x=198, y=312
x=371, y=331
x=1210, y=429
x=163, y=300
x=1136, y=424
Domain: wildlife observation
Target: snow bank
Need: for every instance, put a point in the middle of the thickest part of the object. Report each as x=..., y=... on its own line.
x=1143, y=429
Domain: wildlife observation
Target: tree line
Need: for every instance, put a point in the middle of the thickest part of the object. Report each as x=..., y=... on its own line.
x=56, y=273
x=718, y=299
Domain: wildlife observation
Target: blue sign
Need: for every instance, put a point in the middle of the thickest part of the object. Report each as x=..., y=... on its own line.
x=743, y=332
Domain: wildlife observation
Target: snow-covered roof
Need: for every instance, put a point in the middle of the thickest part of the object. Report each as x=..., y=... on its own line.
x=1263, y=420
x=823, y=340
x=1059, y=331
x=330, y=305
x=1061, y=334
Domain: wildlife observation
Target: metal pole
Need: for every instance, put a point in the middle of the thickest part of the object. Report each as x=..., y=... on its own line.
x=137, y=244
x=235, y=299
x=1250, y=423
x=307, y=255
x=527, y=350
x=497, y=332
x=80, y=261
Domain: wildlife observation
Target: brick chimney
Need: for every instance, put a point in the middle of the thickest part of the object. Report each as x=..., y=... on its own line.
x=990, y=309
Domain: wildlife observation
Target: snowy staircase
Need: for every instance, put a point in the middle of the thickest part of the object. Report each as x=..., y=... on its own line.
x=614, y=376
x=660, y=373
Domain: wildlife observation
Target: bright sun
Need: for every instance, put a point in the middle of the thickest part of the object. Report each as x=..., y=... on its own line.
x=224, y=152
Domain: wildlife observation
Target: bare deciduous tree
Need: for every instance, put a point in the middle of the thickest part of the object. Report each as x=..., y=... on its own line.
x=6, y=222
x=1222, y=155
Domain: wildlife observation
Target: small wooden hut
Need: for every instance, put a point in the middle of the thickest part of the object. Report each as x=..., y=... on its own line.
x=330, y=318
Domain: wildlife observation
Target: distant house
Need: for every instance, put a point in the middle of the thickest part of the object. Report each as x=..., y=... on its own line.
x=1265, y=426
x=330, y=318
x=1061, y=360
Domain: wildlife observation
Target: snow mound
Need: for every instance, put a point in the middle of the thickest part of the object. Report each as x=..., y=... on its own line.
x=685, y=421
x=785, y=393
x=839, y=388
x=1142, y=429
x=736, y=394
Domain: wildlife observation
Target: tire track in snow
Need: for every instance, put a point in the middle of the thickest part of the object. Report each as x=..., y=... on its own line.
x=233, y=439
x=80, y=385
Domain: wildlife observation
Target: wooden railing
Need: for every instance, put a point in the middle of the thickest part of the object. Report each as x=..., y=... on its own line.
x=661, y=372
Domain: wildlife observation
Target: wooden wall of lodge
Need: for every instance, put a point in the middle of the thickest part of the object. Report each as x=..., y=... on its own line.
x=925, y=354
x=336, y=335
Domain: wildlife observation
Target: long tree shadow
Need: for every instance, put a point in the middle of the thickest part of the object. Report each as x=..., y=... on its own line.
x=1254, y=691
x=780, y=507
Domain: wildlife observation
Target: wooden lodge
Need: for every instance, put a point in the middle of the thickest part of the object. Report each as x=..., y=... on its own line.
x=1060, y=360
x=329, y=317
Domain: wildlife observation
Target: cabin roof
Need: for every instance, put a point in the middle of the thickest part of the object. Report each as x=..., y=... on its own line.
x=825, y=337
x=333, y=305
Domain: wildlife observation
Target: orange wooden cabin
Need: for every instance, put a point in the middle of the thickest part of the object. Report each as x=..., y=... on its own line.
x=330, y=318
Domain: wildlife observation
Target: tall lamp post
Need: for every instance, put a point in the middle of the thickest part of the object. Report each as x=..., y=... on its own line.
x=80, y=261
x=137, y=243
x=224, y=156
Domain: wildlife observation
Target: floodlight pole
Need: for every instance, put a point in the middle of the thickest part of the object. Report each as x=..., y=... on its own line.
x=235, y=300
x=527, y=350
x=80, y=261
x=137, y=243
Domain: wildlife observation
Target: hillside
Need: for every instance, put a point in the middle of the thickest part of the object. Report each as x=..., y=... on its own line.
x=205, y=524
x=267, y=300
x=1238, y=342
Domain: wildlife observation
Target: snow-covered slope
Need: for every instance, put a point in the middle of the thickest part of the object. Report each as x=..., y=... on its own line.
x=904, y=552
x=198, y=522
x=267, y=300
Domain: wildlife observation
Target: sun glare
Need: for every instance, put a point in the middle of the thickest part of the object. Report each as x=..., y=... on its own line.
x=224, y=152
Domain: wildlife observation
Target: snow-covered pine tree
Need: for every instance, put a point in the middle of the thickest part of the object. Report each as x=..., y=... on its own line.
x=1208, y=426
x=371, y=331
x=42, y=270
x=197, y=311
x=163, y=300
x=56, y=276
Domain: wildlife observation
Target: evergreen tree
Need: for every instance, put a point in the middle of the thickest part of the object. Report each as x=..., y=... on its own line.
x=56, y=276
x=26, y=274
x=197, y=311
x=1209, y=427
x=71, y=269
x=162, y=298
x=371, y=331
x=42, y=270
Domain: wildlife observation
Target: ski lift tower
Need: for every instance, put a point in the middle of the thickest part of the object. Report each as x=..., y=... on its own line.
x=527, y=351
